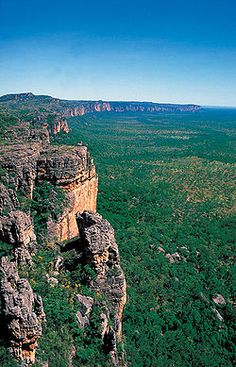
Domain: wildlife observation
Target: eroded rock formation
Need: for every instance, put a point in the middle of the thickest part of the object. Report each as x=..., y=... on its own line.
x=60, y=125
x=26, y=163
x=69, y=168
x=54, y=111
x=81, y=107
x=22, y=311
x=99, y=249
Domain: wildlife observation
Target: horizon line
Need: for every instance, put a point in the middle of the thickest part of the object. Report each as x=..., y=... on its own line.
x=126, y=101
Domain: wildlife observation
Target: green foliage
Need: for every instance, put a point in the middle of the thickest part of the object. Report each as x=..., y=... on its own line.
x=48, y=202
x=5, y=249
x=167, y=181
x=24, y=201
x=61, y=330
x=166, y=185
x=7, y=119
x=5, y=358
x=90, y=351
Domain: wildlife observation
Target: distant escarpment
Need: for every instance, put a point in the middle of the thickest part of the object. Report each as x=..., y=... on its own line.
x=59, y=258
x=53, y=112
x=80, y=108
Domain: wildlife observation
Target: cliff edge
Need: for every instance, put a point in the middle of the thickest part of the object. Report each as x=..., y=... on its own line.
x=48, y=210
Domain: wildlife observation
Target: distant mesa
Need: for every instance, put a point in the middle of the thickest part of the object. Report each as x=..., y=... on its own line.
x=82, y=107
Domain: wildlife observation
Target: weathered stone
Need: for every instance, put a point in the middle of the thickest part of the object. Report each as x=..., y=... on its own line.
x=219, y=299
x=53, y=282
x=22, y=310
x=17, y=228
x=8, y=200
x=58, y=264
x=100, y=250
x=68, y=167
x=173, y=258
x=85, y=307
x=71, y=169
x=60, y=125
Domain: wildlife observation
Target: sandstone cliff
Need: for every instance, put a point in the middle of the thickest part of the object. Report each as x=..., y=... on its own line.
x=80, y=108
x=32, y=161
x=53, y=111
x=27, y=161
x=71, y=169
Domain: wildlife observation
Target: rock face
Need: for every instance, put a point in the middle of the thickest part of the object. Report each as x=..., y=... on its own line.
x=69, y=108
x=86, y=304
x=25, y=163
x=60, y=125
x=80, y=108
x=99, y=250
x=8, y=199
x=17, y=229
x=23, y=312
x=69, y=168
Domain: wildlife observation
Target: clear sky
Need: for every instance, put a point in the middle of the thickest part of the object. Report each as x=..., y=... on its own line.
x=181, y=51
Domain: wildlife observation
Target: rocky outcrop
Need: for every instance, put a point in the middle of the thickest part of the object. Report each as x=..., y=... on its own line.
x=60, y=125
x=17, y=229
x=26, y=164
x=85, y=107
x=68, y=108
x=71, y=169
x=85, y=308
x=22, y=312
x=99, y=249
x=55, y=123
x=18, y=158
x=8, y=200
x=80, y=108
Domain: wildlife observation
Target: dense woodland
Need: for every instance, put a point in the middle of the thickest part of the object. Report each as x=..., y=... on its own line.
x=166, y=184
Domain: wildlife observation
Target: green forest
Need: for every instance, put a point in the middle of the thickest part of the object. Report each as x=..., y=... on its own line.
x=166, y=184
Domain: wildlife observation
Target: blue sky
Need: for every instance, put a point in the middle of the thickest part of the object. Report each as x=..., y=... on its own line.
x=166, y=51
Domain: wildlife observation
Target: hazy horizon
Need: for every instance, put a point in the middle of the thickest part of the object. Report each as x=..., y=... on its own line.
x=112, y=100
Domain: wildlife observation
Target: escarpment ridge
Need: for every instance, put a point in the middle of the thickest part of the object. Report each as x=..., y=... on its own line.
x=54, y=112
x=82, y=107
x=48, y=200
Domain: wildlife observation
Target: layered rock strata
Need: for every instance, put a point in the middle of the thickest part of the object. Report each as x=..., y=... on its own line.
x=70, y=168
x=80, y=108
